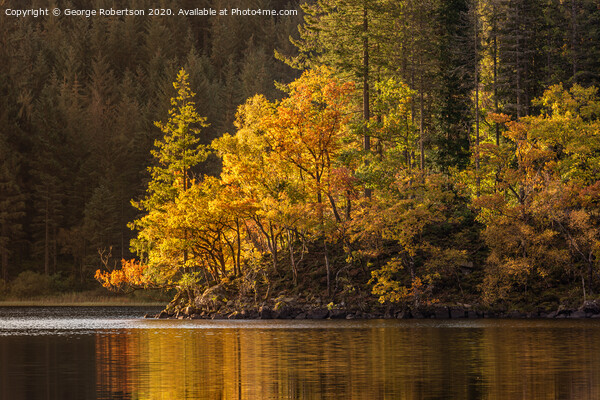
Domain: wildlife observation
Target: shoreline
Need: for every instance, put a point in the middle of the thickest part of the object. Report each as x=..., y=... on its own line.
x=70, y=304
x=589, y=310
x=98, y=302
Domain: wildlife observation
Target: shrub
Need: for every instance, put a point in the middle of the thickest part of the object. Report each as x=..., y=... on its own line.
x=30, y=284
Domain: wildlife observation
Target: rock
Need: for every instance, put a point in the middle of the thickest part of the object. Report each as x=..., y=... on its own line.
x=249, y=314
x=457, y=313
x=595, y=316
x=350, y=316
x=591, y=307
x=578, y=314
x=301, y=316
x=404, y=315
x=551, y=314
x=213, y=298
x=265, y=312
x=337, y=314
x=284, y=312
x=515, y=314
x=441, y=313
x=318, y=313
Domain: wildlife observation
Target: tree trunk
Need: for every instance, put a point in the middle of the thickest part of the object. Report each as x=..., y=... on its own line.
x=47, y=237
x=327, y=267
x=54, y=249
x=239, y=248
x=273, y=248
x=496, y=109
x=421, y=111
x=366, y=110
x=292, y=260
x=518, y=67
x=477, y=172
x=4, y=255
x=574, y=37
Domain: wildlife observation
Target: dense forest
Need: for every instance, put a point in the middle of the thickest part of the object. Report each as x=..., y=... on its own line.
x=362, y=152
x=79, y=100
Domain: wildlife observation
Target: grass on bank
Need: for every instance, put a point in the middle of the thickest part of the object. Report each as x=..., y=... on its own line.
x=34, y=289
x=85, y=298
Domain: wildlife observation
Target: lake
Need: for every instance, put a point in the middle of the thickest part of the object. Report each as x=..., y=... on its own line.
x=113, y=353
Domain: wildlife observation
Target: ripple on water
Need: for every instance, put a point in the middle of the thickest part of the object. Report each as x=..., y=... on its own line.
x=90, y=320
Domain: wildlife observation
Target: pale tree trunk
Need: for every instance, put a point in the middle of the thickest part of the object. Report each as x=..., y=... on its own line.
x=366, y=110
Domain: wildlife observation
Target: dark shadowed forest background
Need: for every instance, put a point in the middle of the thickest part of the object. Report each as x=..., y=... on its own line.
x=409, y=152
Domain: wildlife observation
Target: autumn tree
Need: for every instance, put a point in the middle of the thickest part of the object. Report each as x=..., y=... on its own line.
x=419, y=224
x=540, y=222
x=285, y=160
x=176, y=153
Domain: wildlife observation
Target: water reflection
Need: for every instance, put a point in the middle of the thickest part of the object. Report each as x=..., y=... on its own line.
x=368, y=363
x=323, y=360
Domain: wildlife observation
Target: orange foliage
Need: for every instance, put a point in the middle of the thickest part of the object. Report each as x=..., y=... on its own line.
x=131, y=275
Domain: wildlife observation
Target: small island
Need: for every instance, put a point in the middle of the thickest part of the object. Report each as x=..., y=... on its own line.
x=302, y=223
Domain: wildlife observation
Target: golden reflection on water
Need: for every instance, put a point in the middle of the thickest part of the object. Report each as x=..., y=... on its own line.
x=373, y=362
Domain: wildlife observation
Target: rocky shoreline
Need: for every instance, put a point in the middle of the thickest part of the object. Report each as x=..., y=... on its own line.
x=281, y=310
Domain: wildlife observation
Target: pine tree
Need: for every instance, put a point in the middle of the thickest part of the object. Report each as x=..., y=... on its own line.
x=454, y=85
x=12, y=205
x=584, y=49
x=176, y=154
x=50, y=155
x=520, y=55
x=349, y=36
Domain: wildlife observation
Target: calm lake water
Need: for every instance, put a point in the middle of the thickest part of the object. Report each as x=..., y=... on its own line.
x=111, y=353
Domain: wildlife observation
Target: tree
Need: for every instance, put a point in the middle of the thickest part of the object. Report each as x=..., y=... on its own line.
x=541, y=223
x=176, y=154
x=284, y=160
x=12, y=206
x=456, y=66
x=419, y=223
x=349, y=36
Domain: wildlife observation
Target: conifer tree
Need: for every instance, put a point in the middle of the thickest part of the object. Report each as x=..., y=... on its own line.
x=454, y=86
x=175, y=154
x=12, y=206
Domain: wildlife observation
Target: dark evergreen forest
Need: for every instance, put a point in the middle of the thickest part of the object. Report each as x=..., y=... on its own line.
x=79, y=100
